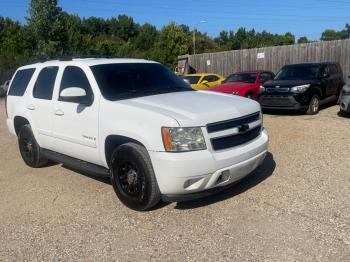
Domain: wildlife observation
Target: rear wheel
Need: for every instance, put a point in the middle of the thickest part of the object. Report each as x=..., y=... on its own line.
x=29, y=148
x=314, y=105
x=133, y=178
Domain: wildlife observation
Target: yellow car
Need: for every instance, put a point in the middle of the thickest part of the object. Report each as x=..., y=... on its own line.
x=203, y=81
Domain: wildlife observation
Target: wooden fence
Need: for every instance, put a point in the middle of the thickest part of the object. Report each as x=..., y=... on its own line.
x=268, y=58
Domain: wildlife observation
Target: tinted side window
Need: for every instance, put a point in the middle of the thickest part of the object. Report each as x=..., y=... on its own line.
x=20, y=82
x=265, y=77
x=75, y=77
x=210, y=78
x=45, y=83
x=334, y=69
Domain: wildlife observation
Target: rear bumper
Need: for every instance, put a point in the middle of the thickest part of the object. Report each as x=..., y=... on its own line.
x=180, y=174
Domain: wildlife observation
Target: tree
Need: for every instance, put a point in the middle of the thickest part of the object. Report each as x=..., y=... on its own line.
x=172, y=43
x=331, y=34
x=42, y=15
x=146, y=38
x=303, y=40
x=124, y=27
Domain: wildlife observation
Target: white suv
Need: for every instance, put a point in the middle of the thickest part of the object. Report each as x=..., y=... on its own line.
x=137, y=122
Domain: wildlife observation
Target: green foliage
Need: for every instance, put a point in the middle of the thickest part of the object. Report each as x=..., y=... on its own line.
x=51, y=32
x=172, y=43
x=42, y=15
x=331, y=34
x=303, y=40
x=243, y=39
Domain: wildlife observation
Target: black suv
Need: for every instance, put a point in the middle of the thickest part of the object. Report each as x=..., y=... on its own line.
x=303, y=87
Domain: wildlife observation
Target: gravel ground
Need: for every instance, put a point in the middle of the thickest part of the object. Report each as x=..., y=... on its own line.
x=295, y=207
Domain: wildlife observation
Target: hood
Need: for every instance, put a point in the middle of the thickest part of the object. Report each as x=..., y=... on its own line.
x=289, y=83
x=196, y=108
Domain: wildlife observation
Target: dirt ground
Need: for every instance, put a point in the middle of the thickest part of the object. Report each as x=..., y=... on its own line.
x=295, y=207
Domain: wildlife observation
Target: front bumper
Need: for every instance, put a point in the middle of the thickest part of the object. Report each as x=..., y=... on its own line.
x=286, y=102
x=185, y=175
x=344, y=103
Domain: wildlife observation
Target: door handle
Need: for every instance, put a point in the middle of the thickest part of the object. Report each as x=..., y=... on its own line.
x=31, y=107
x=59, y=112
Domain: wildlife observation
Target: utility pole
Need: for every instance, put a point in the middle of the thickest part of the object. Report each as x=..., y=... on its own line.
x=194, y=35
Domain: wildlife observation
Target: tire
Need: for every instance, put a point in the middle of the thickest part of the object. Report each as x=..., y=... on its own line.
x=249, y=95
x=29, y=148
x=314, y=105
x=133, y=178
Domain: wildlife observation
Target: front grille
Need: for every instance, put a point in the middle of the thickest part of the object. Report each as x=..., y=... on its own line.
x=233, y=123
x=225, y=142
x=277, y=90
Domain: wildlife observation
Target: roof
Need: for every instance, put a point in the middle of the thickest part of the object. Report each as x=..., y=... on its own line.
x=203, y=74
x=87, y=62
x=314, y=64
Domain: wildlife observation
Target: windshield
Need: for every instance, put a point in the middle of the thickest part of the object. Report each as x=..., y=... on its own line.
x=192, y=79
x=124, y=81
x=246, y=78
x=299, y=72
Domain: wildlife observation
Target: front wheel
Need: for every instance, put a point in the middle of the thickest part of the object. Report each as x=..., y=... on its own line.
x=133, y=178
x=249, y=95
x=314, y=106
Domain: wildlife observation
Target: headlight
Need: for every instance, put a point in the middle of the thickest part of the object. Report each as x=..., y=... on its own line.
x=346, y=90
x=300, y=89
x=182, y=139
x=261, y=89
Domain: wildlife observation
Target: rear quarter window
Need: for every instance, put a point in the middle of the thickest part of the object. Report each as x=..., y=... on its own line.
x=21, y=81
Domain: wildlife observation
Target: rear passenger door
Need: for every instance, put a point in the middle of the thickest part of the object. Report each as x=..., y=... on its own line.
x=75, y=124
x=41, y=105
x=326, y=82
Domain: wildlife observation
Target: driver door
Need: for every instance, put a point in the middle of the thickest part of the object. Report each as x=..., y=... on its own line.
x=75, y=124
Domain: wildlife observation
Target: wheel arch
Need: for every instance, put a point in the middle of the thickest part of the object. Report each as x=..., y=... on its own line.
x=114, y=141
x=19, y=122
x=317, y=91
x=251, y=92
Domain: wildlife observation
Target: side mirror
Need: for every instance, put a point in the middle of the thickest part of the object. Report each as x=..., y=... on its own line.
x=75, y=95
x=205, y=82
x=324, y=76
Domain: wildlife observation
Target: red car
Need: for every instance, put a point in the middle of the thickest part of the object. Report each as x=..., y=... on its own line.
x=244, y=83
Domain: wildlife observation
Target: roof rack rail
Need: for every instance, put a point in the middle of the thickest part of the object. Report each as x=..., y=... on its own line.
x=69, y=58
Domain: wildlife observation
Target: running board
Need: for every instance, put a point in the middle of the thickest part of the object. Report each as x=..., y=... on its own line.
x=76, y=163
x=328, y=99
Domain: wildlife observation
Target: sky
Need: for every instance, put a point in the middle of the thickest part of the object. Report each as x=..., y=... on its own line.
x=301, y=17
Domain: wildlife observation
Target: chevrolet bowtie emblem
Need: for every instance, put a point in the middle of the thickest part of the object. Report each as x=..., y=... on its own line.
x=243, y=128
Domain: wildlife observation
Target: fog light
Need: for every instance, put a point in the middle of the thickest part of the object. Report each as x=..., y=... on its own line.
x=343, y=106
x=190, y=182
x=224, y=177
